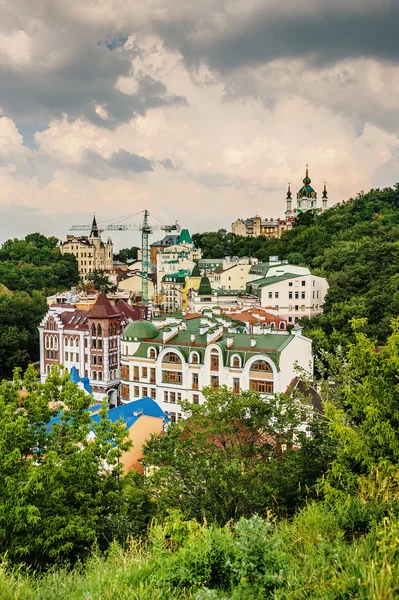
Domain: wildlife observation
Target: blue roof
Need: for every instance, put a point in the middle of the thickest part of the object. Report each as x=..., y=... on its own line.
x=131, y=411
x=83, y=380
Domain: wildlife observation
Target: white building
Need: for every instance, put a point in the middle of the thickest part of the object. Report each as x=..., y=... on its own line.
x=175, y=360
x=290, y=290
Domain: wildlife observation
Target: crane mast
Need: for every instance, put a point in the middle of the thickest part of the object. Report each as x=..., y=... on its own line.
x=146, y=229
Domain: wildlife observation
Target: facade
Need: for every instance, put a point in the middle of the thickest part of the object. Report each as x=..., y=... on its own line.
x=206, y=297
x=290, y=291
x=256, y=226
x=306, y=198
x=233, y=277
x=171, y=296
x=191, y=284
x=176, y=360
x=90, y=251
x=87, y=341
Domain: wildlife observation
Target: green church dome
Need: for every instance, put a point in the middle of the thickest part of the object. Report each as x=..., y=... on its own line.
x=196, y=272
x=306, y=190
x=205, y=287
x=141, y=330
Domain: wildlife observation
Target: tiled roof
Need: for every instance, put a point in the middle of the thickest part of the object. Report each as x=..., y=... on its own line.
x=103, y=308
x=132, y=411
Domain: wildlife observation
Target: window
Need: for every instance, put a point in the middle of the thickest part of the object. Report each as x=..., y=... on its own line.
x=214, y=360
x=99, y=330
x=152, y=353
x=144, y=372
x=94, y=360
x=145, y=392
x=303, y=295
x=136, y=391
x=236, y=385
x=303, y=282
x=195, y=381
x=153, y=393
x=264, y=387
x=66, y=341
x=171, y=357
x=100, y=344
x=172, y=377
x=125, y=372
x=165, y=396
x=93, y=343
x=314, y=282
x=276, y=294
x=66, y=356
x=214, y=381
x=194, y=358
x=270, y=294
x=152, y=376
x=172, y=397
x=195, y=399
x=125, y=392
x=303, y=307
x=296, y=307
x=290, y=283
x=173, y=417
x=100, y=359
x=100, y=375
x=94, y=375
x=236, y=362
x=179, y=396
x=136, y=376
x=296, y=295
x=261, y=365
x=290, y=295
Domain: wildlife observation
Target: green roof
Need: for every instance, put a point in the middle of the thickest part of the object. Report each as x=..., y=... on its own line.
x=204, y=287
x=185, y=237
x=264, y=281
x=140, y=330
x=196, y=272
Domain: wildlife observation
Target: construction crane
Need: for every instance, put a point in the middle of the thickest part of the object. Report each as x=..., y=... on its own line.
x=146, y=229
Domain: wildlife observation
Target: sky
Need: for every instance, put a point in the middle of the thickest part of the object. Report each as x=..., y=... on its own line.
x=200, y=112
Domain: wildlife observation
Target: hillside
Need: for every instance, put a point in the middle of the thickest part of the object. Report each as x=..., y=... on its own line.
x=354, y=244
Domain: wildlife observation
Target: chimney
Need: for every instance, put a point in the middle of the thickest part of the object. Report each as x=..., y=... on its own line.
x=192, y=338
x=253, y=342
x=229, y=341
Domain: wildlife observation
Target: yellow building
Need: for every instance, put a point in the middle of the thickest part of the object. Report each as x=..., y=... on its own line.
x=90, y=251
x=192, y=283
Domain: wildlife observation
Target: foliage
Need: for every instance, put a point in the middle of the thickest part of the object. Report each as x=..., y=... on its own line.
x=100, y=282
x=226, y=460
x=30, y=269
x=355, y=244
x=127, y=255
x=57, y=484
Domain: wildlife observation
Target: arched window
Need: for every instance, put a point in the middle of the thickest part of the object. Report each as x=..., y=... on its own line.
x=48, y=367
x=93, y=330
x=99, y=330
x=273, y=324
x=94, y=375
x=151, y=353
x=47, y=342
x=171, y=357
x=55, y=342
x=77, y=342
x=66, y=341
x=214, y=360
x=236, y=362
x=100, y=376
x=282, y=325
x=262, y=366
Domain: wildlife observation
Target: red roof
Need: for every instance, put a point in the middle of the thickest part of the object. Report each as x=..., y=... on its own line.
x=103, y=309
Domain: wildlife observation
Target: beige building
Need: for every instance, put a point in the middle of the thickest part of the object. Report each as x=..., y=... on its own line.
x=133, y=282
x=232, y=277
x=90, y=251
x=290, y=291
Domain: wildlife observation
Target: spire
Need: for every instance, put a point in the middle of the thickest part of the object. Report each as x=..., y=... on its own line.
x=94, y=229
x=325, y=191
x=289, y=192
x=307, y=180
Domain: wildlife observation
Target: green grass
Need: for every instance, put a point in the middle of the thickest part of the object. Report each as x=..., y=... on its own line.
x=308, y=558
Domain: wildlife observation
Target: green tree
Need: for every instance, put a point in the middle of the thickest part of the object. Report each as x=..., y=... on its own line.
x=99, y=281
x=57, y=485
x=227, y=459
x=127, y=255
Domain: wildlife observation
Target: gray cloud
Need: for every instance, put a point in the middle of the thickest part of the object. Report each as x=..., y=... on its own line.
x=121, y=164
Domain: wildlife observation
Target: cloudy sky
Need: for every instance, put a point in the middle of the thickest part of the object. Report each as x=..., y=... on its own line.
x=198, y=111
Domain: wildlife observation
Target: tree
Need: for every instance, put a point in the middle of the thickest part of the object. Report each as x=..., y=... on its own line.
x=57, y=484
x=227, y=459
x=127, y=255
x=99, y=281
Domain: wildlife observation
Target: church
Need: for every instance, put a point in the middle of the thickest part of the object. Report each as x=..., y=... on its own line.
x=306, y=198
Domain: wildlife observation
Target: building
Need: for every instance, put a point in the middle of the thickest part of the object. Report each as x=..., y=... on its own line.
x=87, y=341
x=90, y=251
x=306, y=198
x=179, y=242
x=206, y=297
x=142, y=418
x=171, y=360
x=232, y=277
x=191, y=284
x=290, y=290
x=172, y=285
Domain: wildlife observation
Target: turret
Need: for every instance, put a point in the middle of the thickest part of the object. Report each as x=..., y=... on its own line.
x=289, y=212
x=324, y=198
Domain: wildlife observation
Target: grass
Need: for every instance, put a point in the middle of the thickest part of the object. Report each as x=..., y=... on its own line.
x=308, y=558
